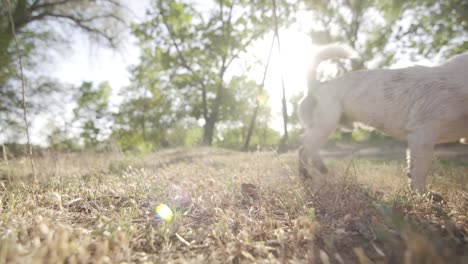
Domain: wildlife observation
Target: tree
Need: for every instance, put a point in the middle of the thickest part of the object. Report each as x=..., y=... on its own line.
x=38, y=25
x=10, y=103
x=148, y=115
x=92, y=114
x=357, y=23
x=59, y=138
x=144, y=117
x=239, y=102
x=190, y=51
x=436, y=28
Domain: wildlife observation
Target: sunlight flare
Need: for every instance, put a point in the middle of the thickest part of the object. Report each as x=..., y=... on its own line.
x=164, y=213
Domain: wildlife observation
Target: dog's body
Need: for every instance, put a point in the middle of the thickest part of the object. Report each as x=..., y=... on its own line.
x=421, y=105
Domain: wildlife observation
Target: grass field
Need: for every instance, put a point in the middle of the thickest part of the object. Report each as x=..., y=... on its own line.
x=229, y=207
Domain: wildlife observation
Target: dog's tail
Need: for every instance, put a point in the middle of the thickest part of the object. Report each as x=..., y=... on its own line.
x=331, y=51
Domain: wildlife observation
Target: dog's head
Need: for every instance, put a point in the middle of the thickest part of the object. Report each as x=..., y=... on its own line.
x=321, y=101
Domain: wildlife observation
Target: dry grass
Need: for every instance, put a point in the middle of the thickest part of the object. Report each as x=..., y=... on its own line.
x=229, y=207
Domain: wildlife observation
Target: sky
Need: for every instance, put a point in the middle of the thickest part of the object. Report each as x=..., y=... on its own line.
x=88, y=61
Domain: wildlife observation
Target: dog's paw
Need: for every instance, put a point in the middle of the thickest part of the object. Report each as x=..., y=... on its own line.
x=322, y=169
x=431, y=196
x=435, y=197
x=304, y=173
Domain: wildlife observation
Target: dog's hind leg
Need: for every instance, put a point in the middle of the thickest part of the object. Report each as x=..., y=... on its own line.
x=419, y=155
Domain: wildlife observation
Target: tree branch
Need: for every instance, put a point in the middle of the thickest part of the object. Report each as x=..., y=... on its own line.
x=36, y=6
x=186, y=65
x=78, y=22
x=244, y=47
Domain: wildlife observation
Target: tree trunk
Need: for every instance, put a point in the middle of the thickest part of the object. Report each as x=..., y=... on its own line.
x=284, y=105
x=251, y=129
x=257, y=107
x=208, y=131
x=285, y=114
x=209, y=127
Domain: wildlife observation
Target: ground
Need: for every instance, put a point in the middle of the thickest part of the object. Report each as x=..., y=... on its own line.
x=232, y=207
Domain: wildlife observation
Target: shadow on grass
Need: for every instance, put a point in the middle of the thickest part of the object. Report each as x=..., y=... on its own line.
x=359, y=225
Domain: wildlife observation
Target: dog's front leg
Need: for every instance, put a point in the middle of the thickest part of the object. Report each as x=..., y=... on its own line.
x=303, y=163
x=304, y=159
x=419, y=156
x=312, y=141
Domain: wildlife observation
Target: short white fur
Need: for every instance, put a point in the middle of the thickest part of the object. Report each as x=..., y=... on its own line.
x=423, y=106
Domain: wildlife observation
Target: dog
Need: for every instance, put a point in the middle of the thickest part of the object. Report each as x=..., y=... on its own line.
x=423, y=106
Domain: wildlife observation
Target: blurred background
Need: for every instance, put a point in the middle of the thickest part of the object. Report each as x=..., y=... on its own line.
x=144, y=75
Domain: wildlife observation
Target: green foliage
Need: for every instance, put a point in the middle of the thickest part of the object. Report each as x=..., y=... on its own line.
x=185, y=90
x=59, y=139
x=43, y=96
x=91, y=113
x=263, y=136
x=360, y=135
x=357, y=23
x=239, y=101
x=148, y=111
x=436, y=27
x=129, y=141
x=187, y=52
x=185, y=135
x=10, y=91
x=36, y=33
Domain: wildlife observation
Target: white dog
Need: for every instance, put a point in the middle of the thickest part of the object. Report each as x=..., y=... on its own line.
x=423, y=106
